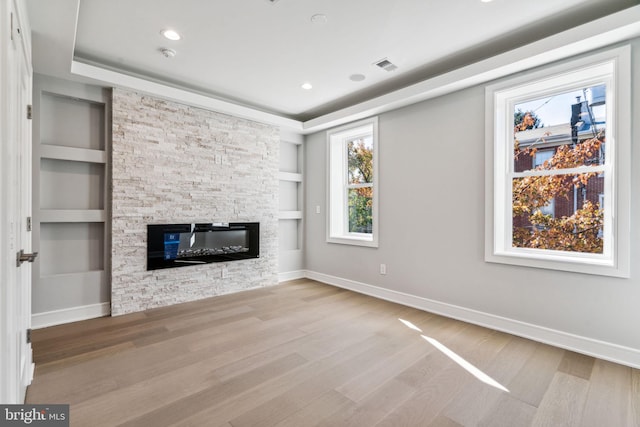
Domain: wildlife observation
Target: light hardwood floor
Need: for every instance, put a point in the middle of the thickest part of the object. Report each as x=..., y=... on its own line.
x=306, y=354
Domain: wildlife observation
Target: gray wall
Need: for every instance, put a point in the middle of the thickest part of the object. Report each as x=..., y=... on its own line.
x=432, y=227
x=178, y=164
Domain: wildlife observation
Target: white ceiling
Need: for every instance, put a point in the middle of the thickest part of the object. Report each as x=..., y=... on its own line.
x=258, y=54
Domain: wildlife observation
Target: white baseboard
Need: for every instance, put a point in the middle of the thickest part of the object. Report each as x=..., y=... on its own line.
x=291, y=275
x=68, y=315
x=600, y=349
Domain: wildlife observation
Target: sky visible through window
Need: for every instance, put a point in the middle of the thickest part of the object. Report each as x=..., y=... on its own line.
x=556, y=109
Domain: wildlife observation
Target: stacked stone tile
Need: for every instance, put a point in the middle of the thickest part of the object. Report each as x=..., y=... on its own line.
x=173, y=163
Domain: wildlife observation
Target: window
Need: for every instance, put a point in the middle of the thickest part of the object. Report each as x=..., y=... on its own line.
x=539, y=159
x=555, y=200
x=541, y=156
x=352, y=197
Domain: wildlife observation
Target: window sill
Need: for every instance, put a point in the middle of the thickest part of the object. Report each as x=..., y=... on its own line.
x=558, y=261
x=355, y=240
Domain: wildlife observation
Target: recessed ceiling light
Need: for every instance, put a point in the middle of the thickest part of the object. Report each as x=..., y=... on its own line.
x=356, y=77
x=307, y=86
x=319, y=18
x=171, y=35
x=486, y=1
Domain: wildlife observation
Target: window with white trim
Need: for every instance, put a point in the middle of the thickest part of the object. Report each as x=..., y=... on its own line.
x=352, y=177
x=554, y=199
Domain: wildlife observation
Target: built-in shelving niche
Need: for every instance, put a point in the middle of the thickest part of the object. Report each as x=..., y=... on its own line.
x=70, y=200
x=291, y=201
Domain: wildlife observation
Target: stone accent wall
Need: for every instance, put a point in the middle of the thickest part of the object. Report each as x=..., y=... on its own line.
x=174, y=163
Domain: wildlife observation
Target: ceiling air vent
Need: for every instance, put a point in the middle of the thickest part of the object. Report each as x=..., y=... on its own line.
x=385, y=64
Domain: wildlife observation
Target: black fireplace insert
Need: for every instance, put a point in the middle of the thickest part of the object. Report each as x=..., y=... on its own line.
x=181, y=245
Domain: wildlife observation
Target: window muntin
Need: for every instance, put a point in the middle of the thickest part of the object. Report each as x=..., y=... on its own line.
x=569, y=183
x=352, y=175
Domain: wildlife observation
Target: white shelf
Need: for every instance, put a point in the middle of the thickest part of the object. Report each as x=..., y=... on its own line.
x=291, y=202
x=290, y=215
x=60, y=152
x=288, y=176
x=72, y=215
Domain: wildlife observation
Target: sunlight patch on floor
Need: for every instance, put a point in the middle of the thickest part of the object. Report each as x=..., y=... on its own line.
x=410, y=325
x=456, y=358
x=464, y=364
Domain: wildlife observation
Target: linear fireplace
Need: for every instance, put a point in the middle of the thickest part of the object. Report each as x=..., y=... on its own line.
x=181, y=245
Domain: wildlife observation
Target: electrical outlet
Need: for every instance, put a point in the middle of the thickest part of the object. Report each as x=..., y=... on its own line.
x=318, y=209
x=225, y=273
x=383, y=269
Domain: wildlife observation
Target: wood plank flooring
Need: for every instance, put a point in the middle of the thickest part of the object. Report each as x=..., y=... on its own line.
x=306, y=354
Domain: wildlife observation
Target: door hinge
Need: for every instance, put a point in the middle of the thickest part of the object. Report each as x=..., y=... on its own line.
x=29, y=111
x=23, y=257
x=29, y=226
x=11, y=27
x=29, y=336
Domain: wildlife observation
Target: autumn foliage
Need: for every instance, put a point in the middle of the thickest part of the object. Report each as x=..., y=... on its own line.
x=360, y=159
x=579, y=232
